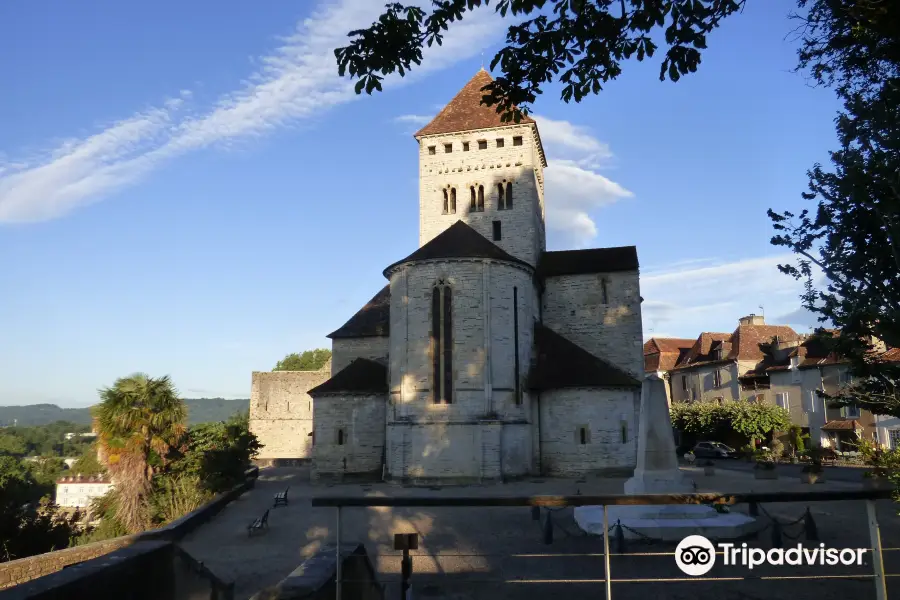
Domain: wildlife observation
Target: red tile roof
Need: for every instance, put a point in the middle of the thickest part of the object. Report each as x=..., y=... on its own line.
x=466, y=112
x=667, y=344
x=746, y=339
x=850, y=425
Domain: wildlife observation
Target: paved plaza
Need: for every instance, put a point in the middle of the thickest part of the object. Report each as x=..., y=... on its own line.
x=498, y=553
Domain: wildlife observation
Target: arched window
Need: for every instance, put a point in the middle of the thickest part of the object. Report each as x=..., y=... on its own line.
x=473, y=204
x=453, y=200
x=509, y=194
x=446, y=202
x=501, y=201
x=480, y=207
x=442, y=343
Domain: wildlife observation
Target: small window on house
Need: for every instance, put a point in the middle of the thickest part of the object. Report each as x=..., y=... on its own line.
x=517, y=140
x=448, y=148
x=499, y=142
x=684, y=383
x=584, y=435
x=717, y=378
x=432, y=149
x=851, y=411
x=482, y=144
x=782, y=400
x=604, y=292
x=465, y=146
x=340, y=437
x=496, y=231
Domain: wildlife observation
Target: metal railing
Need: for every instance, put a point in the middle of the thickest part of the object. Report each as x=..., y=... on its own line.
x=753, y=499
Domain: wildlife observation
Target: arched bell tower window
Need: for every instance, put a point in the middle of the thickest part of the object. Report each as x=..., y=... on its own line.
x=480, y=206
x=446, y=201
x=442, y=343
x=453, y=200
x=509, y=194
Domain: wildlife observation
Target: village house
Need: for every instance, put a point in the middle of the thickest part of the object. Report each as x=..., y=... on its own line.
x=774, y=364
x=79, y=491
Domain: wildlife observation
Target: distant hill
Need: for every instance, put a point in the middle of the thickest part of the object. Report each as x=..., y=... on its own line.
x=200, y=410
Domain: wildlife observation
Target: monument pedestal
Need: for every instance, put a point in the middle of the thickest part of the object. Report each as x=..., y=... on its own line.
x=657, y=472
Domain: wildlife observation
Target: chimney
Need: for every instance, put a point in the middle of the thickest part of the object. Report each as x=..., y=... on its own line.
x=752, y=319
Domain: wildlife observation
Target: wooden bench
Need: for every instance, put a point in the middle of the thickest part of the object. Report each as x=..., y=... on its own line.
x=260, y=523
x=281, y=498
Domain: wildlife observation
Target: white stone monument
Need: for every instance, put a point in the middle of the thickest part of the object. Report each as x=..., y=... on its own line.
x=657, y=472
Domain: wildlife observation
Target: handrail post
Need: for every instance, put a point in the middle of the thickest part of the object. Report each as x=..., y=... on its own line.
x=877, y=558
x=606, y=575
x=337, y=575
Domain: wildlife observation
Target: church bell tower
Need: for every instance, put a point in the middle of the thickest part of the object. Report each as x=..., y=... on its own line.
x=486, y=173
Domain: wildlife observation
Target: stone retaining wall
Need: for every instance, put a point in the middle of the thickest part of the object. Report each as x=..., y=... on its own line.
x=16, y=572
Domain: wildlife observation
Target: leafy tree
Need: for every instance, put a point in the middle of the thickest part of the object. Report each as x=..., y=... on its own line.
x=853, y=234
x=12, y=445
x=751, y=420
x=587, y=41
x=218, y=454
x=140, y=420
x=88, y=464
x=28, y=524
x=310, y=360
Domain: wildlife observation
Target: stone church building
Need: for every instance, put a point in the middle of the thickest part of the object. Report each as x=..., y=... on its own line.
x=485, y=357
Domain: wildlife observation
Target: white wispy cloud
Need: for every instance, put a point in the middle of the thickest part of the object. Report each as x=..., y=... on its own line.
x=574, y=185
x=414, y=119
x=297, y=80
x=686, y=298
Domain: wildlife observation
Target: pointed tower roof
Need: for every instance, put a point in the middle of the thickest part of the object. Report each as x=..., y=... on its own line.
x=458, y=241
x=466, y=112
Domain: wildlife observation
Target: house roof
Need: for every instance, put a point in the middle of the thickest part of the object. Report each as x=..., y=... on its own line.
x=561, y=363
x=746, y=339
x=701, y=351
x=372, y=320
x=466, y=111
x=593, y=260
x=659, y=344
x=841, y=425
x=458, y=241
x=362, y=376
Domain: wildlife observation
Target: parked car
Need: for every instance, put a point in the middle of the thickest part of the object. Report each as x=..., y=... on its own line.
x=713, y=450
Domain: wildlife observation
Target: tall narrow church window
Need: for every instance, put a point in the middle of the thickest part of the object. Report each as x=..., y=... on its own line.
x=473, y=205
x=480, y=199
x=496, y=231
x=509, y=194
x=501, y=201
x=516, y=342
x=604, y=292
x=453, y=200
x=446, y=202
x=583, y=435
x=442, y=343
x=340, y=437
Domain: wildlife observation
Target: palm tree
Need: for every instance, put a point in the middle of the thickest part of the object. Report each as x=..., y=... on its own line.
x=140, y=419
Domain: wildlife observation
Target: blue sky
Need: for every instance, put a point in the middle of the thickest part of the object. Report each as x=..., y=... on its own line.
x=189, y=188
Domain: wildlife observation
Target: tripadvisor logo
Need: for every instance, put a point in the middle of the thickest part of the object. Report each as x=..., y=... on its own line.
x=696, y=555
